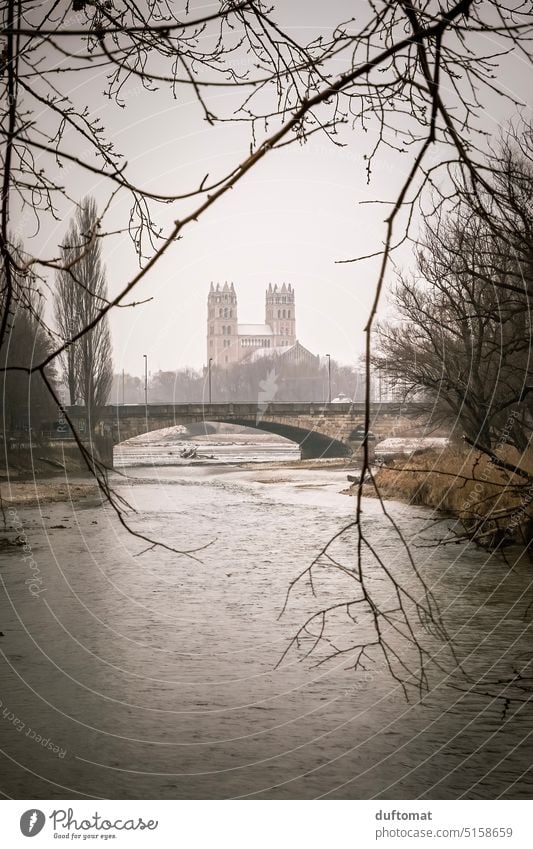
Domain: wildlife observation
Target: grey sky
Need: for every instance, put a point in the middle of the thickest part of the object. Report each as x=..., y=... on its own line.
x=288, y=221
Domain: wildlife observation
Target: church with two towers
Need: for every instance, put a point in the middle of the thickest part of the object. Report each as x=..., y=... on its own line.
x=229, y=342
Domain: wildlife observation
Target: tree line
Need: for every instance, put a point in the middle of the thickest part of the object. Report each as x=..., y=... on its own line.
x=275, y=377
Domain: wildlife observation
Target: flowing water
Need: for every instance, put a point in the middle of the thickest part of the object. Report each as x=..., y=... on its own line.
x=153, y=675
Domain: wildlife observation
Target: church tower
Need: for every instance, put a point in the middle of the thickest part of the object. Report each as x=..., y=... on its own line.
x=280, y=314
x=222, y=338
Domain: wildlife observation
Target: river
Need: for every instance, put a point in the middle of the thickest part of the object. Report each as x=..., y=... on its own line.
x=153, y=675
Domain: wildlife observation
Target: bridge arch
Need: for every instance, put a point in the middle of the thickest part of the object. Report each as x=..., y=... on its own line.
x=312, y=444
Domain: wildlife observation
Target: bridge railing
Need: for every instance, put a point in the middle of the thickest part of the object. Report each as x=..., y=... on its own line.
x=114, y=411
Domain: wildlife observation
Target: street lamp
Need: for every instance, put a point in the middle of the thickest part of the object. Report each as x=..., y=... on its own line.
x=146, y=382
x=329, y=378
x=209, y=375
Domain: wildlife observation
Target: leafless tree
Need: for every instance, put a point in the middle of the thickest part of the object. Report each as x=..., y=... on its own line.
x=415, y=72
x=66, y=315
x=503, y=205
x=26, y=403
x=81, y=291
x=462, y=340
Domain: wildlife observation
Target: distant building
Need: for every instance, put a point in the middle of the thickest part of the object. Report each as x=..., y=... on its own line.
x=229, y=342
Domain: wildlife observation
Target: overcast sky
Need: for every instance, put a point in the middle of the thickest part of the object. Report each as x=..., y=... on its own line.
x=289, y=220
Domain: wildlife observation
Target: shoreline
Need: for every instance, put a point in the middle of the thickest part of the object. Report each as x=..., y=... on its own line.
x=32, y=493
x=465, y=485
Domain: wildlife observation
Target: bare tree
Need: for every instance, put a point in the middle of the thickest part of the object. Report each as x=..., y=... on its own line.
x=26, y=402
x=457, y=345
x=66, y=319
x=81, y=291
x=463, y=337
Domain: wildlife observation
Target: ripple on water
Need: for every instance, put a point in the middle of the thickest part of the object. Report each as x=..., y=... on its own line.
x=158, y=674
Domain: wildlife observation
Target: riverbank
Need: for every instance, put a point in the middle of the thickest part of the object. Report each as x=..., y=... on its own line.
x=31, y=493
x=45, y=474
x=318, y=463
x=492, y=503
x=40, y=461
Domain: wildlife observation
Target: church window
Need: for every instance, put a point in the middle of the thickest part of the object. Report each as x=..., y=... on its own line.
x=279, y=313
x=284, y=313
x=288, y=313
x=229, y=329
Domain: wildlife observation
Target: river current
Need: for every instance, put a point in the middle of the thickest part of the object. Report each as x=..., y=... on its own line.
x=139, y=673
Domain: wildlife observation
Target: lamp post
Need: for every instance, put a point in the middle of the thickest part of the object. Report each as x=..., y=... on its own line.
x=209, y=376
x=329, y=378
x=146, y=383
x=123, y=384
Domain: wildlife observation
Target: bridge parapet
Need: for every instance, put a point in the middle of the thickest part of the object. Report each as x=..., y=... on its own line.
x=319, y=429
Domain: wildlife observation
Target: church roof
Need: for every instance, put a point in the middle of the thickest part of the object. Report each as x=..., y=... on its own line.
x=254, y=330
x=260, y=353
x=297, y=350
x=298, y=346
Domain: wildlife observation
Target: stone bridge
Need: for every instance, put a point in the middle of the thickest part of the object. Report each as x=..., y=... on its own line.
x=321, y=430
